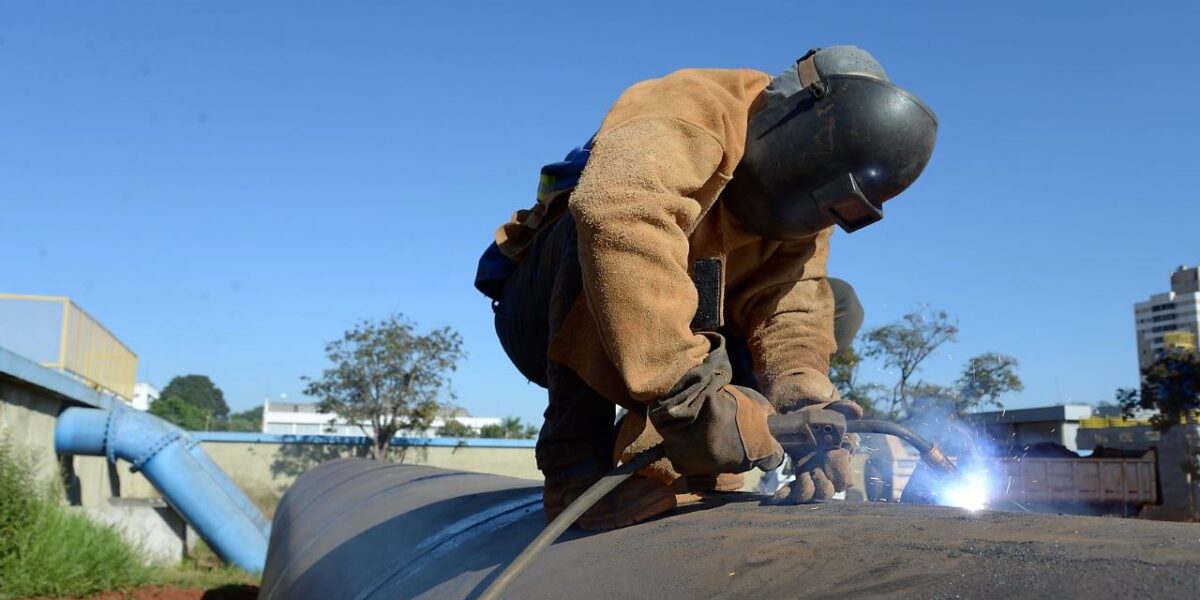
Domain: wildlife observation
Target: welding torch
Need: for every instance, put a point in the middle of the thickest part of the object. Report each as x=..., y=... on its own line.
x=805, y=431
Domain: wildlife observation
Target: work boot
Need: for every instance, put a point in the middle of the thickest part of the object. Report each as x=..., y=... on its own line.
x=634, y=501
x=722, y=482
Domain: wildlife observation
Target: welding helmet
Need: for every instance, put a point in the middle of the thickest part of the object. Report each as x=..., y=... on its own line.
x=829, y=142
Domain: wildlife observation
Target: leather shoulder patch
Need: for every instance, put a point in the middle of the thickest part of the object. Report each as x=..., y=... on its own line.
x=708, y=275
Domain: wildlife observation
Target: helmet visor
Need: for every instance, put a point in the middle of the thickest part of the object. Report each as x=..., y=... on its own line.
x=843, y=201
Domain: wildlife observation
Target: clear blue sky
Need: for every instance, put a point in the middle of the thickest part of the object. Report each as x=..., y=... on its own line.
x=228, y=185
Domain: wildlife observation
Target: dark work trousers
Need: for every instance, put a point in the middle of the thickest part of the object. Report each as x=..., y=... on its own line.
x=577, y=437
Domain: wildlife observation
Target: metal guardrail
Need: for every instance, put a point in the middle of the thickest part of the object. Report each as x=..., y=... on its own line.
x=84, y=348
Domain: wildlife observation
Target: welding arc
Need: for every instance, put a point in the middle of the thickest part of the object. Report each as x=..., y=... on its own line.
x=929, y=453
x=567, y=517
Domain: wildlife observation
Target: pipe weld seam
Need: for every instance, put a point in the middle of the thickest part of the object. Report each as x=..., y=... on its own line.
x=154, y=449
x=110, y=451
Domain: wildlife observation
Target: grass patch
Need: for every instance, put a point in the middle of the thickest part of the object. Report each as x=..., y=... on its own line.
x=197, y=576
x=47, y=551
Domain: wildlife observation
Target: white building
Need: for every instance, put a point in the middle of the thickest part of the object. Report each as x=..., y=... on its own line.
x=143, y=395
x=306, y=419
x=1021, y=427
x=1170, y=319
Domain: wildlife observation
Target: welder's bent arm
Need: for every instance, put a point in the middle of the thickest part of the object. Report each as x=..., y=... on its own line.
x=634, y=216
x=786, y=308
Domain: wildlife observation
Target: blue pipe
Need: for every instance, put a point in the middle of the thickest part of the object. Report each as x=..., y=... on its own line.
x=179, y=469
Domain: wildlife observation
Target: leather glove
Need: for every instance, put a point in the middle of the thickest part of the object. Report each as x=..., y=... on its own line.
x=823, y=473
x=709, y=426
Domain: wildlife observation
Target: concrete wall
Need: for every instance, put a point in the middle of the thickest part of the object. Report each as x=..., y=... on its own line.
x=265, y=465
x=27, y=416
x=150, y=525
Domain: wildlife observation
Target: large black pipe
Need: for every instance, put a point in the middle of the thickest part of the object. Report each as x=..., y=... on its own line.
x=358, y=529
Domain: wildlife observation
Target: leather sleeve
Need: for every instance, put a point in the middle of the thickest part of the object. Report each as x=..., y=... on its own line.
x=660, y=159
x=787, y=310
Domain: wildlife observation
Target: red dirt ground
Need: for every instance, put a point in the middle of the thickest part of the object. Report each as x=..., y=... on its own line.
x=155, y=592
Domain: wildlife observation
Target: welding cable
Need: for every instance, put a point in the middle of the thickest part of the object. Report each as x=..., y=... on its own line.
x=564, y=520
x=929, y=451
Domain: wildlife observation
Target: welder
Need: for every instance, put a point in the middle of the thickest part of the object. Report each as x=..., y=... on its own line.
x=675, y=266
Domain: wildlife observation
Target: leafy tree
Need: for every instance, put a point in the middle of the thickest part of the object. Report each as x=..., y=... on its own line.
x=1170, y=385
x=509, y=428
x=387, y=375
x=931, y=399
x=247, y=420
x=843, y=372
x=985, y=378
x=180, y=412
x=904, y=345
x=455, y=428
x=200, y=392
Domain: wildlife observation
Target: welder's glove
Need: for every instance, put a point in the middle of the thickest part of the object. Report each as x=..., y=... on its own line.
x=709, y=426
x=822, y=473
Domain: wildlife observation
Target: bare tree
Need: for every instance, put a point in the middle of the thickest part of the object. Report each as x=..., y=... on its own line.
x=843, y=372
x=388, y=377
x=904, y=345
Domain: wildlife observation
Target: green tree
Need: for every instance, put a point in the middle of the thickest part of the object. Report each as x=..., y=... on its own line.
x=180, y=412
x=903, y=346
x=247, y=420
x=200, y=392
x=388, y=377
x=985, y=378
x=509, y=428
x=1170, y=385
x=455, y=428
x=933, y=399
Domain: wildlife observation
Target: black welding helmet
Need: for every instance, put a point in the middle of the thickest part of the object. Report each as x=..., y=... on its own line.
x=831, y=141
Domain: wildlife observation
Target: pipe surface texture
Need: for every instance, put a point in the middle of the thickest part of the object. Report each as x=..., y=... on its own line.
x=356, y=529
x=179, y=469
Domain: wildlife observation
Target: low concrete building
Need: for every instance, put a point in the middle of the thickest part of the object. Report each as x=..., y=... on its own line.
x=298, y=418
x=1021, y=427
x=143, y=395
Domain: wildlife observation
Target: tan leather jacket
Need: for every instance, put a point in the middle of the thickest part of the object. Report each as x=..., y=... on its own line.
x=646, y=209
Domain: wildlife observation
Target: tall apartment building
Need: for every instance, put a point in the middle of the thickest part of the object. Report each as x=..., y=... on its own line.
x=1170, y=319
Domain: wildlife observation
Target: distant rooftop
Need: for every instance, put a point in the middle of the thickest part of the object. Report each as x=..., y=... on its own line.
x=296, y=407
x=1041, y=414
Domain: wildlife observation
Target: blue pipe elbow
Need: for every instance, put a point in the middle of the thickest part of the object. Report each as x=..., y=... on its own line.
x=179, y=469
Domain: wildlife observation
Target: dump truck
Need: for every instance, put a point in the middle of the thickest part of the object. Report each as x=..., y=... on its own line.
x=1082, y=485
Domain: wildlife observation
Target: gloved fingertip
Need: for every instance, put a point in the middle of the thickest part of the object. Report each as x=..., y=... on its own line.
x=823, y=487
x=802, y=489
x=781, y=495
x=837, y=469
